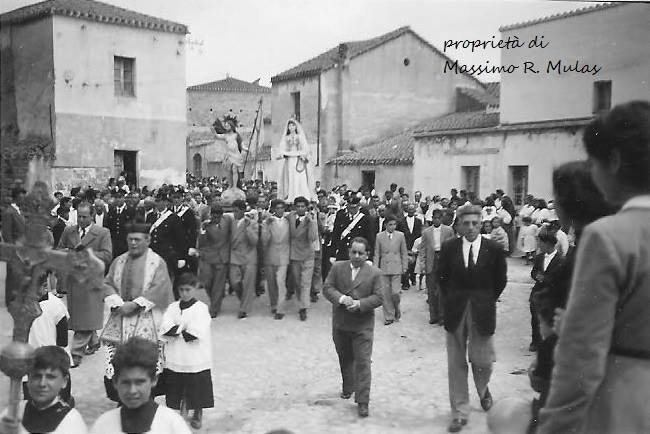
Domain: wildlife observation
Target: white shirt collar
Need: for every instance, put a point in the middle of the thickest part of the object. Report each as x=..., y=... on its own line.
x=550, y=255
x=640, y=201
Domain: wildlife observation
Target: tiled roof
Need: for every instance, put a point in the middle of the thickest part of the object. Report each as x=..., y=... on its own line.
x=328, y=59
x=91, y=10
x=562, y=15
x=461, y=121
x=395, y=150
x=482, y=96
x=230, y=84
x=494, y=89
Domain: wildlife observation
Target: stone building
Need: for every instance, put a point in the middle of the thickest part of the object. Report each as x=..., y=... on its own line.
x=510, y=135
x=89, y=90
x=541, y=115
x=207, y=101
x=364, y=91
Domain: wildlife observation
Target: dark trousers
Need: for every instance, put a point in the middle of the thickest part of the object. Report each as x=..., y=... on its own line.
x=213, y=278
x=435, y=300
x=536, y=337
x=408, y=278
x=317, y=278
x=354, y=349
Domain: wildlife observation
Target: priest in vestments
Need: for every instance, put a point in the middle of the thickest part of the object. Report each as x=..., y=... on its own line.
x=138, y=290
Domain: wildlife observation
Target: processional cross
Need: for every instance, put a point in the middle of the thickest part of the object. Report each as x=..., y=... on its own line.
x=27, y=263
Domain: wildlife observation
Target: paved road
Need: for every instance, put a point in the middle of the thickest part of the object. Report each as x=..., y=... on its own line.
x=284, y=374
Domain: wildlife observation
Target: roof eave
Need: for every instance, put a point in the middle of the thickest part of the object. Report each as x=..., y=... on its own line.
x=520, y=126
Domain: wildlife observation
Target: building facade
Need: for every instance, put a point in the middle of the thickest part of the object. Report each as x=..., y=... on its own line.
x=89, y=91
x=207, y=101
x=364, y=91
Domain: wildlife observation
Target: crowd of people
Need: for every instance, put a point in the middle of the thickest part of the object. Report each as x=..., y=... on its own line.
x=361, y=249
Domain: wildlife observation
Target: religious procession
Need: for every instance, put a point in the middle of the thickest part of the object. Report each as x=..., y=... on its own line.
x=267, y=294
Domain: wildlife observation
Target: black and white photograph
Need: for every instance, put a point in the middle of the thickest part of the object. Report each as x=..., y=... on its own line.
x=324, y=216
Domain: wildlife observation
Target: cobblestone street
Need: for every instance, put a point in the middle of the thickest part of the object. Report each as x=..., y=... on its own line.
x=284, y=374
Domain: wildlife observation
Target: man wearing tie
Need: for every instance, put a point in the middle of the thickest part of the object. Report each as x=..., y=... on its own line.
x=243, y=257
x=348, y=224
x=411, y=226
x=86, y=307
x=354, y=288
x=214, y=256
x=432, y=239
x=100, y=212
x=303, y=230
x=119, y=215
x=391, y=257
x=472, y=275
x=275, y=239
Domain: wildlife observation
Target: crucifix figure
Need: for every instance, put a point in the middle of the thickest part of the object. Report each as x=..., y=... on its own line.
x=27, y=263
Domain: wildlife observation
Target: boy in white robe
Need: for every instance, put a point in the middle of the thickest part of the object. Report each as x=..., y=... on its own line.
x=185, y=329
x=134, y=364
x=45, y=412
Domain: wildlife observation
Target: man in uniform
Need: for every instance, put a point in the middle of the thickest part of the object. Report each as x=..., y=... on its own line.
x=349, y=224
x=119, y=214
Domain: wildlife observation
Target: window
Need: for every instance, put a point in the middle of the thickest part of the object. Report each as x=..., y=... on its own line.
x=123, y=76
x=295, y=96
x=518, y=184
x=471, y=179
x=602, y=96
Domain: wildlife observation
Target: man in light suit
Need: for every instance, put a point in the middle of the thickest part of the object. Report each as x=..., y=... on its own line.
x=86, y=307
x=391, y=257
x=433, y=238
x=13, y=231
x=472, y=275
x=243, y=257
x=354, y=288
x=275, y=238
x=303, y=230
x=214, y=256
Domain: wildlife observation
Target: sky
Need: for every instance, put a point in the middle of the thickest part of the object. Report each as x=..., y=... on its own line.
x=251, y=39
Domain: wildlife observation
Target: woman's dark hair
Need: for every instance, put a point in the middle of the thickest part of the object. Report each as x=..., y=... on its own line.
x=136, y=353
x=625, y=129
x=577, y=195
x=291, y=121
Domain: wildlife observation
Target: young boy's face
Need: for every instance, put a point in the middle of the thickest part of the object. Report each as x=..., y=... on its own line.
x=390, y=226
x=186, y=292
x=45, y=384
x=134, y=386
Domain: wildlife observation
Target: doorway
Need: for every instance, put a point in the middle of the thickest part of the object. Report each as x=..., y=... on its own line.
x=518, y=183
x=125, y=163
x=197, y=162
x=368, y=179
x=471, y=179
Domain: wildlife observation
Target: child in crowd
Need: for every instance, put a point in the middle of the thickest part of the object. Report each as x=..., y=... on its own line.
x=185, y=328
x=44, y=411
x=51, y=328
x=499, y=234
x=529, y=238
x=419, y=263
x=135, y=376
x=486, y=229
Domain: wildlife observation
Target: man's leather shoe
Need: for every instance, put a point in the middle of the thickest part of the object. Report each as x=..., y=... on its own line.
x=76, y=361
x=314, y=298
x=433, y=321
x=388, y=322
x=346, y=395
x=303, y=314
x=457, y=424
x=91, y=349
x=278, y=316
x=486, y=401
x=242, y=315
x=363, y=410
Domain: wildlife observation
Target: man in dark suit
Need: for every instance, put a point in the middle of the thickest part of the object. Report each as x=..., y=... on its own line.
x=411, y=227
x=354, y=288
x=189, y=226
x=167, y=237
x=86, y=307
x=349, y=224
x=119, y=215
x=547, y=269
x=472, y=275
